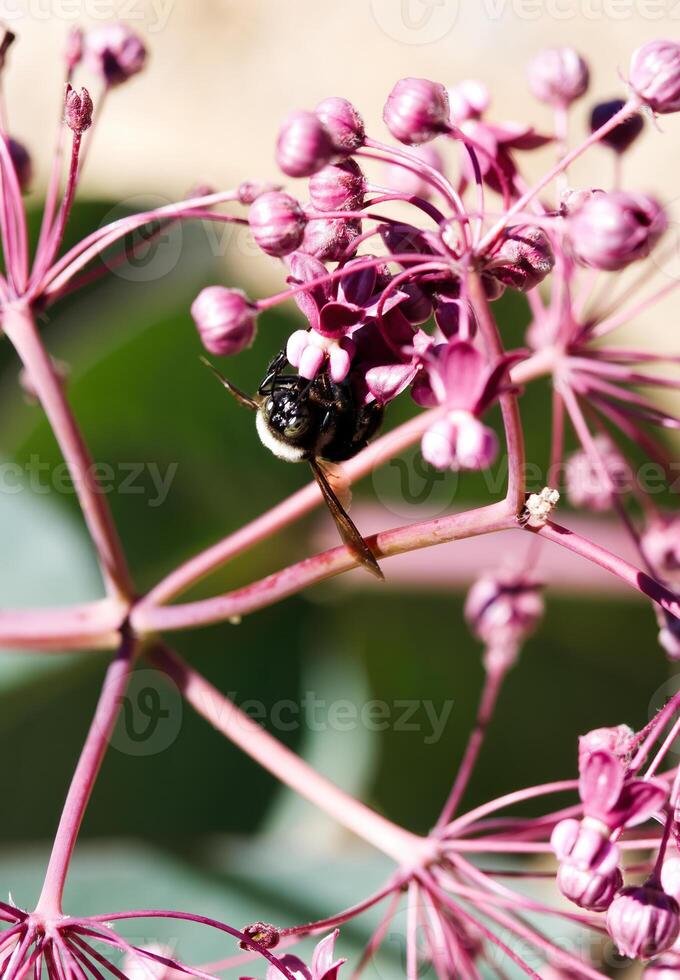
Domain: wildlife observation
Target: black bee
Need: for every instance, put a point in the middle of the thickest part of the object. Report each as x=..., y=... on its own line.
x=317, y=421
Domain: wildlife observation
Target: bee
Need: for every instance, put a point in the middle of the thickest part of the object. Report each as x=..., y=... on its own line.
x=320, y=422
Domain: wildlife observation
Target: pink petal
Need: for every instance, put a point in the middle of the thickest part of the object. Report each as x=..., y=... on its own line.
x=340, y=362
x=322, y=959
x=387, y=381
x=600, y=783
x=296, y=346
x=463, y=373
x=640, y=800
x=438, y=444
x=335, y=319
x=311, y=362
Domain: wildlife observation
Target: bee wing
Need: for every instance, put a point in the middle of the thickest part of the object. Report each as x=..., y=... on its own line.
x=239, y=395
x=348, y=530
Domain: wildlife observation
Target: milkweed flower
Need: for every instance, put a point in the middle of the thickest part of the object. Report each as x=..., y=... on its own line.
x=558, y=76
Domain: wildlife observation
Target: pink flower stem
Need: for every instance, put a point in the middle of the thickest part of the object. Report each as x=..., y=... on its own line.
x=629, y=313
x=401, y=845
x=441, y=898
x=56, y=235
x=514, y=435
x=87, y=770
x=16, y=258
x=92, y=626
x=19, y=325
x=623, y=570
x=146, y=618
x=54, y=279
x=377, y=937
x=519, y=796
x=351, y=913
x=492, y=685
x=631, y=107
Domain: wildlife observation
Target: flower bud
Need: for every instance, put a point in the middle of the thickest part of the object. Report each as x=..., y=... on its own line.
x=327, y=239
x=468, y=100
x=558, y=76
x=338, y=187
x=504, y=606
x=303, y=146
x=22, y=163
x=661, y=545
x=411, y=183
x=523, y=259
x=655, y=75
x=115, y=52
x=343, y=124
x=586, y=483
x=416, y=110
x=277, y=222
x=623, y=135
x=225, y=319
x=643, y=921
x=588, y=889
x=78, y=110
x=612, y=230
x=574, y=198
x=618, y=740
x=669, y=636
x=263, y=933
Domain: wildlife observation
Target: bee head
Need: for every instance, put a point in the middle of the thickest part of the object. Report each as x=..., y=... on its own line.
x=288, y=425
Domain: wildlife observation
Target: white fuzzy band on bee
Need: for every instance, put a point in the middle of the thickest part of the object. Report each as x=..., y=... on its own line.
x=275, y=443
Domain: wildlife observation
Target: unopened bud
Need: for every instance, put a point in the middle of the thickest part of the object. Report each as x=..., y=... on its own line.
x=303, y=146
x=558, y=76
x=416, y=110
x=277, y=222
x=115, y=53
x=343, y=124
x=225, y=319
x=643, y=921
x=78, y=109
x=655, y=75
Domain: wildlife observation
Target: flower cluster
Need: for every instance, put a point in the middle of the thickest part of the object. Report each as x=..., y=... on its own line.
x=394, y=307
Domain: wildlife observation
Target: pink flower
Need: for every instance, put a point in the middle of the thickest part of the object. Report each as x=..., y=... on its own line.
x=115, y=52
x=585, y=481
x=324, y=966
x=458, y=376
x=468, y=100
x=612, y=230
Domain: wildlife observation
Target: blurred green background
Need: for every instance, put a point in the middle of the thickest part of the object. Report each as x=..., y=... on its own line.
x=193, y=823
